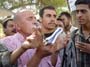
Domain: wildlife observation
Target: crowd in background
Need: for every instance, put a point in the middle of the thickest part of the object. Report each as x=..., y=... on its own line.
x=50, y=41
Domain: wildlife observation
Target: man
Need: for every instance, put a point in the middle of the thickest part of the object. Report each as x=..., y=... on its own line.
x=78, y=50
x=60, y=23
x=48, y=24
x=8, y=26
x=8, y=59
x=25, y=24
x=66, y=19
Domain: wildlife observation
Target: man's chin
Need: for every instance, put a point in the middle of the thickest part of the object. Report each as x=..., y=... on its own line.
x=81, y=23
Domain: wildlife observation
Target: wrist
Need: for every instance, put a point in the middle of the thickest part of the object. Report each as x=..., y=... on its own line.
x=26, y=45
x=23, y=48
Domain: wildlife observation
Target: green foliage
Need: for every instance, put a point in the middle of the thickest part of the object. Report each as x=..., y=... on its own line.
x=15, y=4
x=56, y=3
x=40, y=3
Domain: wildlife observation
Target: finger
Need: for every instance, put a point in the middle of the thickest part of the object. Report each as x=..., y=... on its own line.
x=82, y=43
x=83, y=50
x=81, y=47
x=31, y=37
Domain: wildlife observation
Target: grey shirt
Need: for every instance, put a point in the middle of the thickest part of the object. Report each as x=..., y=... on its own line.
x=5, y=57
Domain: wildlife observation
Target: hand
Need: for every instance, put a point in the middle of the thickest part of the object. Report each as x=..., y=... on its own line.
x=61, y=42
x=46, y=50
x=68, y=36
x=66, y=40
x=84, y=47
x=34, y=40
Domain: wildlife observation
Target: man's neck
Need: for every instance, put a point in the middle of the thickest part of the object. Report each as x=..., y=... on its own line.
x=67, y=28
x=86, y=28
x=46, y=31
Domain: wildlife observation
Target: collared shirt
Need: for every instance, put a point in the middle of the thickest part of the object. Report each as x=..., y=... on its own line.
x=72, y=28
x=70, y=32
x=15, y=41
x=73, y=57
x=83, y=59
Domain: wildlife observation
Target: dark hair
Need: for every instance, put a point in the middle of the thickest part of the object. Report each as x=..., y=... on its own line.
x=66, y=14
x=87, y=2
x=41, y=12
x=6, y=22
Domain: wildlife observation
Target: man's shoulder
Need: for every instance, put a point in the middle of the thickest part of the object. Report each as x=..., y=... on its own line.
x=73, y=28
x=11, y=42
x=8, y=38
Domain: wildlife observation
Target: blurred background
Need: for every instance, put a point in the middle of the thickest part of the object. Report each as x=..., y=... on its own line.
x=9, y=7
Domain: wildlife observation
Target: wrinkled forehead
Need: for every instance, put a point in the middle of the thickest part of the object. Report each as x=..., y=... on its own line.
x=25, y=14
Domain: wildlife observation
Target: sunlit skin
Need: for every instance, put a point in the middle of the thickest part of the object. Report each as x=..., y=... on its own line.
x=48, y=21
x=26, y=23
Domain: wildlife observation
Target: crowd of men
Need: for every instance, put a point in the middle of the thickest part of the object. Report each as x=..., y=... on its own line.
x=51, y=42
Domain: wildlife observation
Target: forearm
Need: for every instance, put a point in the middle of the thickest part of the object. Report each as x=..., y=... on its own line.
x=16, y=54
x=34, y=61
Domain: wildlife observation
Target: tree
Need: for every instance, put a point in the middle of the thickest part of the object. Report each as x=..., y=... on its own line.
x=18, y=3
x=56, y=3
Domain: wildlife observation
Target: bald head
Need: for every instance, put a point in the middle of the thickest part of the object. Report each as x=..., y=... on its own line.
x=24, y=21
x=22, y=14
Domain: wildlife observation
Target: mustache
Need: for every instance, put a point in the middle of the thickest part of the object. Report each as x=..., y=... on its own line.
x=14, y=30
x=52, y=22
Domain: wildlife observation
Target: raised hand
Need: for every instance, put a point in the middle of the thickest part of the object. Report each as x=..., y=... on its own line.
x=84, y=47
x=34, y=40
